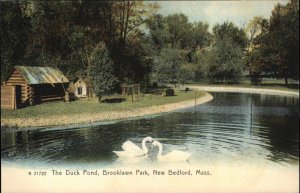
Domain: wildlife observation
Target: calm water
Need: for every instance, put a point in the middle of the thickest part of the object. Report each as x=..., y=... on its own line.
x=233, y=126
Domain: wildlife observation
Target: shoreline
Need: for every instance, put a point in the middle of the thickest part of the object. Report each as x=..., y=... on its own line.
x=102, y=117
x=250, y=90
x=90, y=118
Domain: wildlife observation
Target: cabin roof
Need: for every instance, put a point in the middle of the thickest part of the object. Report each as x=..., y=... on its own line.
x=41, y=75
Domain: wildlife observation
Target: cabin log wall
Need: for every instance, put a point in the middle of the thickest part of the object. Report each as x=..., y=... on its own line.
x=17, y=79
x=8, y=97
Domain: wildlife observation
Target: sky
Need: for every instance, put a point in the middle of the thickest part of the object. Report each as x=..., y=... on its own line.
x=213, y=12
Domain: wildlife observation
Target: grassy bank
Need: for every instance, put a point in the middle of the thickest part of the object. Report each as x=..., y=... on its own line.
x=85, y=111
x=93, y=106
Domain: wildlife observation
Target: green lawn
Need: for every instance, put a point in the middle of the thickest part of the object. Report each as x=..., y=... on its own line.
x=92, y=105
x=146, y=100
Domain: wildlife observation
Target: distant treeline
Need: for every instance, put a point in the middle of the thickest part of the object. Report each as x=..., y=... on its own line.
x=113, y=42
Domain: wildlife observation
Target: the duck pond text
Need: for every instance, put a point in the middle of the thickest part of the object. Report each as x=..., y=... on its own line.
x=121, y=172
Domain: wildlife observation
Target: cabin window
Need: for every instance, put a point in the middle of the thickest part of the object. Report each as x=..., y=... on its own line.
x=79, y=90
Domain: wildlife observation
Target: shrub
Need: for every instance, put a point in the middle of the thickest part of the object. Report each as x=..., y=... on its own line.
x=170, y=92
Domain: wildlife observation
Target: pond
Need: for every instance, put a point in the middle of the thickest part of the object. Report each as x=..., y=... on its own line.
x=232, y=127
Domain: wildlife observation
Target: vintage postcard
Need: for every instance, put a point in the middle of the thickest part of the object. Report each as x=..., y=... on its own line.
x=149, y=96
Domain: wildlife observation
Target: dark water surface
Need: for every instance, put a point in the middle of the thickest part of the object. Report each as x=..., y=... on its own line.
x=233, y=126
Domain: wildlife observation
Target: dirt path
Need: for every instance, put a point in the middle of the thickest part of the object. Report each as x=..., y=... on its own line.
x=246, y=90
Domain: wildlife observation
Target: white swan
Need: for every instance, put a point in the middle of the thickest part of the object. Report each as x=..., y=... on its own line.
x=173, y=156
x=132, y=160
x=132, y=150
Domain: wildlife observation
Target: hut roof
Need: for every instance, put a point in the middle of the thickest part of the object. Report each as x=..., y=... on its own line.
x=41, y=75
x=84, y=79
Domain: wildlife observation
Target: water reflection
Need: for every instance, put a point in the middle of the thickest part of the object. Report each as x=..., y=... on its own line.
x=221, y=129
x=283, y=139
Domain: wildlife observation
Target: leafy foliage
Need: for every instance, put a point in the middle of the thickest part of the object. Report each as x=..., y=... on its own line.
x=186, y=73
x=102, y=72
x=225, y=62
x=66, y=34
x=167, y=66
x=15, y=26
x=276, y=48
x=141, y=44
x=228, y=30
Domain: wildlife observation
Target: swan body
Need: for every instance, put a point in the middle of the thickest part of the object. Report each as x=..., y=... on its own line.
x=132, y=160
x=173, y=156
x=132, y=150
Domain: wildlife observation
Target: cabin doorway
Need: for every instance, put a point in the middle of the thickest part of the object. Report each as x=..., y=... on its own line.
x=18, y=96
x=79, y=91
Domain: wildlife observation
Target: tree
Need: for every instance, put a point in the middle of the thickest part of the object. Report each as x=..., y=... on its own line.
x=258, y=61
x=196, y=39
x=177, y=27
x=130, y=16
x=229, y=31
x=255, y=27
x=50, y=23
x=103, y=75
x=276, y=48
x=167, y=66
x=175, y=32
x=257, y=64
x=225, y=62
x=14, y=35
x=67, y=35
x=136, y=61
x=186, y=73
x=202, y=57
x=198, y=36
x=158, y=31
x=284, y=38
x=127, y=51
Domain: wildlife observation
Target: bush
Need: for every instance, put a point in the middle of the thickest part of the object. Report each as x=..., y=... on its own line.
x=155, y=85
x=170, y=92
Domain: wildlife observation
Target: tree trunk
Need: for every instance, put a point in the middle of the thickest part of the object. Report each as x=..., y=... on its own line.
x=286, y=80
x=99, y=98
x=128, y=9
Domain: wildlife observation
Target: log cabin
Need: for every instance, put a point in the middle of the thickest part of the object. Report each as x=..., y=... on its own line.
x=34, y=85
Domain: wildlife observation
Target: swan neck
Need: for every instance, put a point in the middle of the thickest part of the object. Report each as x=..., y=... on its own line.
x=160, y=149
x=145, y=149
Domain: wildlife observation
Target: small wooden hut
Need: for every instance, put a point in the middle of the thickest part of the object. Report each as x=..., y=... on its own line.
x=81, y=88
x=37, y=84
